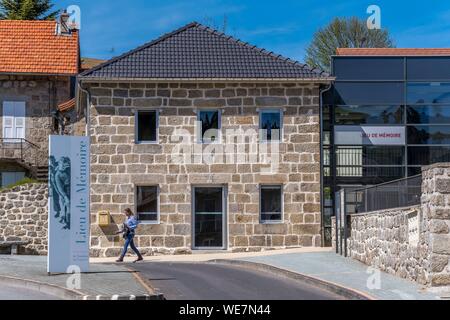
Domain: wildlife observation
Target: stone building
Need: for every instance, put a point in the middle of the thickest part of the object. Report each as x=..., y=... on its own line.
x=214, y=143
x=38, y=68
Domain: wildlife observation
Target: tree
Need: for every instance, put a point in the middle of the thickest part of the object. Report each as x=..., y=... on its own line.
x=27, y=10
x=344, y=33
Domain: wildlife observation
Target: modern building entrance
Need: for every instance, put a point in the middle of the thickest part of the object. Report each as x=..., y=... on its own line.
x=209, y=218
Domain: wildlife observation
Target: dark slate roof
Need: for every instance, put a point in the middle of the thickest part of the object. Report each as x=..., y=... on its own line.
x=198, y=52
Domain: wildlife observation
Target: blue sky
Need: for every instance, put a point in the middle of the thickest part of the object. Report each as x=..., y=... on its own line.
x=111, y=27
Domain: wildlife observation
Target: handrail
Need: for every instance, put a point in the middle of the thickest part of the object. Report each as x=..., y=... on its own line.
x=20, y=149
x=20, y=140
x=382, y=197
x=386, y=183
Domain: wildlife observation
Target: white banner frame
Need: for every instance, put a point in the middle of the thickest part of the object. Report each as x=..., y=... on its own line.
x=370, y=135
x=69, y=204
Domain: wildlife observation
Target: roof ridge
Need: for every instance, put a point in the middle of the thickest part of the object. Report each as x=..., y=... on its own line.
x=278, y=57
x=26, y=21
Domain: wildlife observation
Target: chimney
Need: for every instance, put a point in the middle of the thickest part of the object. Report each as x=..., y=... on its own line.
x=62, y=27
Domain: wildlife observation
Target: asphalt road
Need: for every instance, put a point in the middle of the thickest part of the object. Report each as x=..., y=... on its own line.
x=12, y=293
x=206, y=281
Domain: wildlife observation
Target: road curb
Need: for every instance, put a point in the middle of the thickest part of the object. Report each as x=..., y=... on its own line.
x=49, y=289
x=145, y=297
x=147, y=285
x=68, y=294
x=338, y=289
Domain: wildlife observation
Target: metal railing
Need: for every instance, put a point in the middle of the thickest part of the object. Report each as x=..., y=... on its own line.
x=395, y=194
x=19, y=149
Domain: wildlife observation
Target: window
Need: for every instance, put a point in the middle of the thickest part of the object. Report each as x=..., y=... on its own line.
x=271, y=204
x=147, y=204
x=357, y=115
x=13, y=121
x=210, y=126
x=147, y=127
x=270, y=125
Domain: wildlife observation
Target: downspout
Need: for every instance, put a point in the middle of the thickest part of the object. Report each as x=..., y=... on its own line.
x=88, y=108
x=322, y=189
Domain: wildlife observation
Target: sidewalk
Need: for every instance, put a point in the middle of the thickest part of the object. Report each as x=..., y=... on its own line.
x=205, y=256
x=346, y=272
x=102, y=282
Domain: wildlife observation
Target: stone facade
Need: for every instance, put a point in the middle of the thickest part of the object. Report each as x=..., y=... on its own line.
x=41, y=94
x=24, y=216
x=118, y=164
x=381, y=239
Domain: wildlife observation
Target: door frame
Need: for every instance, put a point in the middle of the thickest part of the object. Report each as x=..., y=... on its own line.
x=224, y=216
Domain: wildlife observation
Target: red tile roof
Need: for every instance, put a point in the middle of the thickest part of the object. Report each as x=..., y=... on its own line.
x=32, y=47
x=393, y=51
x=89, y=63
x=66, y=106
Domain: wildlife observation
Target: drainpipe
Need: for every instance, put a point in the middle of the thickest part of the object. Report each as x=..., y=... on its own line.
x=88, y=109
x=322, y=198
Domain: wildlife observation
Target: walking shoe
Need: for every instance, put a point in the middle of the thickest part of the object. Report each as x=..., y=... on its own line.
x=138, y=259
x=119, y=260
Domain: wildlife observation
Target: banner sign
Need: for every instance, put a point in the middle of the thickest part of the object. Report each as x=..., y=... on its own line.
x=68, y=207
x=365, y=135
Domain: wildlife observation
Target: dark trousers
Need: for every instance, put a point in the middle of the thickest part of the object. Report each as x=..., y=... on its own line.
x=129, y=242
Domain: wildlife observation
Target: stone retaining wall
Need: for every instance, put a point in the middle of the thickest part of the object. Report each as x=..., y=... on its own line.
x=24, y=216
x=381, y=239
x=387, y=241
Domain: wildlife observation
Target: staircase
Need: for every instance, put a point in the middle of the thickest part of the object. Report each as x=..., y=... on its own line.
x=41, y=174
x=24, y=153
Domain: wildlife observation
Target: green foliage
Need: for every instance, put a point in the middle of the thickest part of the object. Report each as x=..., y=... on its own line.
x=27, y=10
x=19, y=183
x=344, y=33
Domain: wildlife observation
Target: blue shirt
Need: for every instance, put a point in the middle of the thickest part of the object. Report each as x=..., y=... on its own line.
x=132, y=223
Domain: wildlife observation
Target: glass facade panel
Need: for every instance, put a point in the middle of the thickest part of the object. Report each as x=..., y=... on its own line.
x=359, y=115
x=370, y=156
x=428, y=114
x=363, y=68
x=428, y=92
x=428, y=68
x=381, y=173
x=364, y=93
x=428, y=134
x=421, y=156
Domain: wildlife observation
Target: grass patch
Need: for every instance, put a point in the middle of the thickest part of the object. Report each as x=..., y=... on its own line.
x=19, y=183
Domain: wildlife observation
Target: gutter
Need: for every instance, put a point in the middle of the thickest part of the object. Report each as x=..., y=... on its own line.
x=322, y=198
x=326, y=80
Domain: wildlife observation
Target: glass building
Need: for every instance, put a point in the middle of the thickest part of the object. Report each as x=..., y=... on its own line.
x=386, y=116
